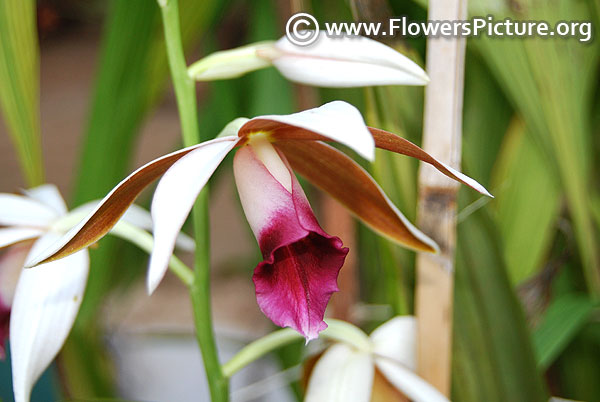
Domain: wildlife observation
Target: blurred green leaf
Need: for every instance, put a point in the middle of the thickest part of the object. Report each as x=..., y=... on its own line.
x=578, y=366
x=268, y=91
x=493, y=355
x=527, y=203
x=563, y=320
x=486, y=116
x=550, y=81
x=20, y=82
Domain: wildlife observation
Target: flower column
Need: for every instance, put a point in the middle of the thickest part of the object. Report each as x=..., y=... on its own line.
x=437, y=197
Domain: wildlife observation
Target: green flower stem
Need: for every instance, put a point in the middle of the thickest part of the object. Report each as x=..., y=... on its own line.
x=259, y=348
x=342, y=331
x=185, y=89
x=200, y=289
x=337, y=330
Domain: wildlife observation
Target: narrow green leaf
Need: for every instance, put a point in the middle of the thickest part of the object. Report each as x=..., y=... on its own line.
x=119, y=100
x=486, y=117
x=578, y=366
x=563, y=320
x=20, y=82
x=527, y=203
x=493, y=356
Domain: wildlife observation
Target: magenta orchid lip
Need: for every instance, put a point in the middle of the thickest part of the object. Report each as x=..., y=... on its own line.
x=301, y=262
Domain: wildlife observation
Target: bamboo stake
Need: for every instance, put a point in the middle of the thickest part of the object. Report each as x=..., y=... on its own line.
x=437, y=197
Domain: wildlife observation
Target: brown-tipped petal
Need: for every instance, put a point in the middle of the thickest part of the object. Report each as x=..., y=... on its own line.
x=392, y=142
x=341, y=177
x=114, y=205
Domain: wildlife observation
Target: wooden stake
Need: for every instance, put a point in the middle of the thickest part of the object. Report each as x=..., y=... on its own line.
x=437, y=197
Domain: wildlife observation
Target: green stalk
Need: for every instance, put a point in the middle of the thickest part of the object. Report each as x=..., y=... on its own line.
x=259, y=348
x=200, y=289
x=337, y=331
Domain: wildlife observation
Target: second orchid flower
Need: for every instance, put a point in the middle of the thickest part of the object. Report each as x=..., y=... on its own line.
x=301, y=262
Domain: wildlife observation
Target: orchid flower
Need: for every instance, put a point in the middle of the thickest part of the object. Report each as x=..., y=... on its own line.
x=38, y=306
x=301, y=262
x=348, y=372
x=348, y=61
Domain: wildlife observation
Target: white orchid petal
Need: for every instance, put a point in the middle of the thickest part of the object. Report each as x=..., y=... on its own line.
x=341, y=374
x=410, y=384
x=45, y=305
x=174, y=198
x=337, y=120
x=49, y=195
x=349, y=61
x=138, y=216
x=396, y=339
x=10, y=236
x=16, y=210
x=467, y=180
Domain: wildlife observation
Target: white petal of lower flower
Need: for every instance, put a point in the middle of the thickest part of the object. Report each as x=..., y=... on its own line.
x=11, y=264
x=45, y=305
x=396, y=339
x=411, y=385
x=142, y=219
x=49, y=195
x=138, y=216
x=349, y=61
x=135, y=215
x=10, y=236
x=342, y=374
x=337, y=120
x=174, y=198
x=16, y=210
